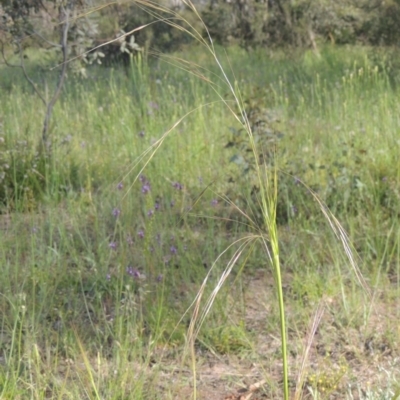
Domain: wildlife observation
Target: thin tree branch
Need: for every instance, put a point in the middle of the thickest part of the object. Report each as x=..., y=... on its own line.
x=44, y=39
x=5, y=58
x=27, y=77
x=22, y=66
x=64, y=16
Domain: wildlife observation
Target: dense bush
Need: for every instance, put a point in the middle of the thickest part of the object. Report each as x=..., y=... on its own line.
x=302, y=23
x=158, y=35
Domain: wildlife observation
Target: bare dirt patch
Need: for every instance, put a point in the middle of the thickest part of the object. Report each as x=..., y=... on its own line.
x=345, y=358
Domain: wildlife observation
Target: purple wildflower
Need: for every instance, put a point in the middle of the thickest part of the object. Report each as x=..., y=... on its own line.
x=113, y=245
x=129, y=240
x=159, y=278
x=173, y=250
x=177, y=186
x=146, y=188
x=141, y=234
x=214, y=202
x=108, y=277
x=120, y=186
x=133, y=272
x=146, y=184
x=150, y=213
x=157, y=206
x=116, y=212
x=384, y=179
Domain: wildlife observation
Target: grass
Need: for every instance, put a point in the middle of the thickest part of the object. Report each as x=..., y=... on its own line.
x=99, y=269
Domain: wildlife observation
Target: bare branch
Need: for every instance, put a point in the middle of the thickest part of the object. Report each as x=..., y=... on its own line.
x=44, y=39
x=27, y=77
x=64, y=17
x=22, y=66
x=5, y=58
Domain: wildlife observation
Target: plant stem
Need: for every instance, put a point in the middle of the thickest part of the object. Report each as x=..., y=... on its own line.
x=282, y=323
x=269, y=202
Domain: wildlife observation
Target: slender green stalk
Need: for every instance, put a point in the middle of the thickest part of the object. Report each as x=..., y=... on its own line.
x=278, y=283
x=269, y=197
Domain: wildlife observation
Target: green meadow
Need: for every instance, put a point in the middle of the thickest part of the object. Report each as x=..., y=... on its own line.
x=152, y=186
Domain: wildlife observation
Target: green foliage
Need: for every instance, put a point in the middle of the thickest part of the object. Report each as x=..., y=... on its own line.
x=344, y=178
x=26, y=175
x=157, y=36
x=381, y=26
x=228, y=339
x=22, y=182
x=302, y=23
x=264, y=124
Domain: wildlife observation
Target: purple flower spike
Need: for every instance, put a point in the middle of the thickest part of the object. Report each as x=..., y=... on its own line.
x=214, y=202
x=146, y=188
x=113, y=245
x=108, y=277
x=116, y=212
x=159, y=278
x=141, y=234
x=173, y=250
x=150, y=213
x=157, y=206
x=177, y=186
x=132, y=272
x=120, y=186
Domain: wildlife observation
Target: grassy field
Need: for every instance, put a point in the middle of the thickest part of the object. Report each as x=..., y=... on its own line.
x=105, y=246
